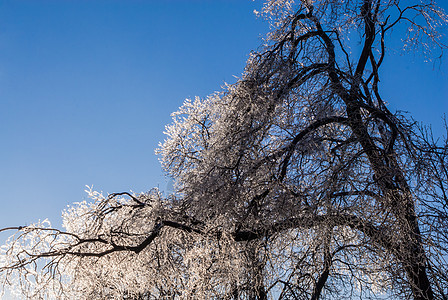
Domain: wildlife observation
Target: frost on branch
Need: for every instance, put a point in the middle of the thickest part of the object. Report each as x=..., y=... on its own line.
x=296, y=182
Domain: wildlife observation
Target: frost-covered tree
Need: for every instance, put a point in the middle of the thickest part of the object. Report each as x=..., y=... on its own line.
x=296, y=182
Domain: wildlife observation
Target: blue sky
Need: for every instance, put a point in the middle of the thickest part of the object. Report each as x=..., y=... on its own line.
x=86, y=88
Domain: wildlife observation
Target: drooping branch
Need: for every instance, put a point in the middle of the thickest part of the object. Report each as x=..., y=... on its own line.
x=313, y=126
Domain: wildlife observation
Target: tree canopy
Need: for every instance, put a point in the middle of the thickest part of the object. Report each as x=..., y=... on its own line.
x=296, y=182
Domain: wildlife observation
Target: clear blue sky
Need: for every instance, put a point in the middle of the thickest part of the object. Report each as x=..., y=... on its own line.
x=87, y=86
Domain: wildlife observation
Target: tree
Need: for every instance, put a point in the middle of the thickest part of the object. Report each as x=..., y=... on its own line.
x=296, y=182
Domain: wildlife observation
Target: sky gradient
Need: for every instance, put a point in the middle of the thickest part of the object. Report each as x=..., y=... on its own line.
x=86, y=88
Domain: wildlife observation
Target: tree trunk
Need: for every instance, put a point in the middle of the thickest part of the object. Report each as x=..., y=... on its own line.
x=392, y=182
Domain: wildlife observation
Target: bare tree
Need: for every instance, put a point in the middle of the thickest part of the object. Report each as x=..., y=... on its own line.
x=297, y=182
